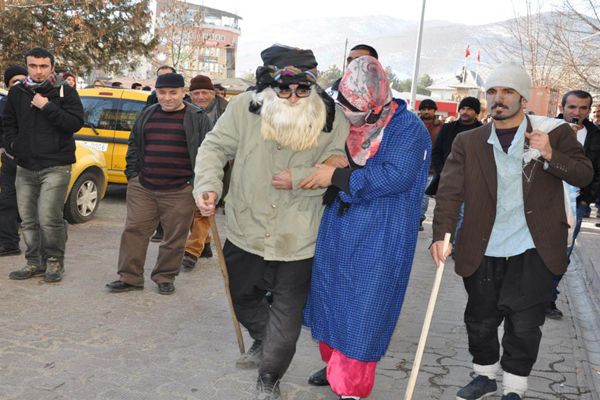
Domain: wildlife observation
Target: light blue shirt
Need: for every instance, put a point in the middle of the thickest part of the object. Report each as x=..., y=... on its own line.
x=510, y=234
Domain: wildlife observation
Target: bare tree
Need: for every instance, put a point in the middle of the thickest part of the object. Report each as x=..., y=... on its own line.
x=578, y=41
x=180, y=35
x=560, y=49
x=529, y=40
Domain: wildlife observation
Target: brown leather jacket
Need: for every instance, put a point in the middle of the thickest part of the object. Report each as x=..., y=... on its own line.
x=469, y=176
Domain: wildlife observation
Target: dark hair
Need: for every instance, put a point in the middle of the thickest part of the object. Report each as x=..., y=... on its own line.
x=136, y=85
x=116, y=84
x=582, y=94
x=166, y=67
x=366, y=47
x=38, y=52
x=147, y=88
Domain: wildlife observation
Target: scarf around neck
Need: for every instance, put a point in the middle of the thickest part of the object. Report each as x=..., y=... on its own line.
x=365, y=87
x=49, y=81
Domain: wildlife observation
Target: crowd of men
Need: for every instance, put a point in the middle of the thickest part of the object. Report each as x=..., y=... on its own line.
x=312, y=174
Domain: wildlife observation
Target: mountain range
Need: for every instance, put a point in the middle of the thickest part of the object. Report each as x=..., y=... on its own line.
x=442, y=52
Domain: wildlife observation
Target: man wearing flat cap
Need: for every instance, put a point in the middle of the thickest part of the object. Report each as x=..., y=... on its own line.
x=277, y=134
x=160, y=158
x=202, y=93
x=509, y=174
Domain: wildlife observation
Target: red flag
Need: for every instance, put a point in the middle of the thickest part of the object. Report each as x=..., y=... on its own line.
x=478, y=56
x=467, y=52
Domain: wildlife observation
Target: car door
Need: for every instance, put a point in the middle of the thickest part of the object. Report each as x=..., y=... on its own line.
x=101, y=107
x=130, y=106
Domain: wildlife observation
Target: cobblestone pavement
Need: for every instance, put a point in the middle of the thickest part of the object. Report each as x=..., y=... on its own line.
x=74, y=340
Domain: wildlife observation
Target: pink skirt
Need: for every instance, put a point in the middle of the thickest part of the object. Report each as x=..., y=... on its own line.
x=347, y=376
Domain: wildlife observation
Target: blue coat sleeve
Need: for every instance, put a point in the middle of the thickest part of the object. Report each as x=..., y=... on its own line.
x=404, y=151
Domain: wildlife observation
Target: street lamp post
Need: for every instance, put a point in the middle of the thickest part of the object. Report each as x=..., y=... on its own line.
x=413, y=88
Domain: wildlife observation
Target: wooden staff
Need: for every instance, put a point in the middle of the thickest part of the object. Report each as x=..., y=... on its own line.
x=425, y=330
x=223, y=266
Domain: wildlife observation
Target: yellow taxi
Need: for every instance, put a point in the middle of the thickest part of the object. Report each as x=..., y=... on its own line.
x=109, y=114
x=89, y=179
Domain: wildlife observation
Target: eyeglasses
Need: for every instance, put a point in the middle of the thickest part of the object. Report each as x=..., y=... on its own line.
x=285, y=92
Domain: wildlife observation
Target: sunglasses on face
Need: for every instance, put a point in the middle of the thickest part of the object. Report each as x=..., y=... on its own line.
x=285, y=92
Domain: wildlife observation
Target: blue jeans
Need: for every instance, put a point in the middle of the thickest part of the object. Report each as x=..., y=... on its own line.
x=41, y=197
x=582, y=209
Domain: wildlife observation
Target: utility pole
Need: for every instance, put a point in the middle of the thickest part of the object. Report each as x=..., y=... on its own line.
x=344, y=62
x=413, y=88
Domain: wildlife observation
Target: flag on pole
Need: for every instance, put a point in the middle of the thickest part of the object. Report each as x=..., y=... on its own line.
x=467, y=52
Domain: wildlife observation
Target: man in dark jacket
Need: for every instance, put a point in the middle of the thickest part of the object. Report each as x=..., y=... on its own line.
x=9, y=213
x=576, y=106
x=427, y=109
x=160, y=172
x=40, y=118
x=151, y=100
x=468, y=110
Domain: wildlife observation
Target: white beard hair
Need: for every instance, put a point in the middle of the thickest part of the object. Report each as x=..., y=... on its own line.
x=296, y=127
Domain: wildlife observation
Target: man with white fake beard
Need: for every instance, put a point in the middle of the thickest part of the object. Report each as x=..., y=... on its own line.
x=277, y=134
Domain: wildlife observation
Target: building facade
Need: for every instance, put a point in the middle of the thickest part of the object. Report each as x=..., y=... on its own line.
x=196, y=39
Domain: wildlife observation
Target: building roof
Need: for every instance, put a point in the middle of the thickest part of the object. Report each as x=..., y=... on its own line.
x=220, y=12
x=473, y=81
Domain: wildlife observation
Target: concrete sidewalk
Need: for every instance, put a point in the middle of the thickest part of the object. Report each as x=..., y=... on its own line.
x=74, y=340
x=583, y=285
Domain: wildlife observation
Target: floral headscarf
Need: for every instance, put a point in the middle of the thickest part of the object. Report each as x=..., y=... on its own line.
x=367, y=101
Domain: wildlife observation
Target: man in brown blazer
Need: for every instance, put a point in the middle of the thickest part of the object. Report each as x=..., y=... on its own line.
x=509, y=174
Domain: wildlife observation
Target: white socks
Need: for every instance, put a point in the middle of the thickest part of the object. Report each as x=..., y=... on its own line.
x=514, y=384
x=510, y=383
x=487, y=370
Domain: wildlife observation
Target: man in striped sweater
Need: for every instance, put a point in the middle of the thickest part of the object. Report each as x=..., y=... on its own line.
x=160, y=171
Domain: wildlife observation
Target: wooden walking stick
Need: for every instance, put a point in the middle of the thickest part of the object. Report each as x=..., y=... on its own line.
x=223, y=266
x=425, y=330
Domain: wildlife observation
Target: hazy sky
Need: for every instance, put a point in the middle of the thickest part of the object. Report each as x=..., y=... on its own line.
x=471, y=12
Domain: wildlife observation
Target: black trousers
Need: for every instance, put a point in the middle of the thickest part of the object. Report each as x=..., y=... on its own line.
x=515, y=290
x=9, y=213
x=279, y=324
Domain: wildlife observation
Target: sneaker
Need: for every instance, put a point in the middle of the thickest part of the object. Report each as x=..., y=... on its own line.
x=54, y=271
x=552, y=312
x=189, y=261
x=252, y=357
x=267, y=387
x=511, y=396
x=478, y=388
x=28, y=271
x=206, y=251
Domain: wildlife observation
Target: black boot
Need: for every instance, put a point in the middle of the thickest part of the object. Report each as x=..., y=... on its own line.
x=319, y=378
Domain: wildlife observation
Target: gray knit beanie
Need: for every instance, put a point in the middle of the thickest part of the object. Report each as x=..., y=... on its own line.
x=510, y=75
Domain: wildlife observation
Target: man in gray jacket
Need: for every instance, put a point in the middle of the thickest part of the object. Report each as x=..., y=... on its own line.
x=276, y=134
x=160, y=171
